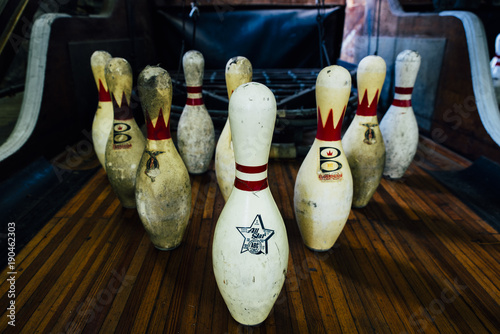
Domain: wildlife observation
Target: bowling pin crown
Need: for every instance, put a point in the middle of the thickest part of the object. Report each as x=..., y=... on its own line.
x=333, y=87
x=238, y=72
x=193, y=64
x=119, y=79
x=252, y=114
x=155, y=92
x=407, y=65
x=98, y=62
x=370, y=77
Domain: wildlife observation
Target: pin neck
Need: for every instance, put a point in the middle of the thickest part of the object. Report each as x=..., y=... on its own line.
x=160, y=131
x=247, y=185
x=103, y=93
x=194, y=97
x=365, y=107
x=122, y=112
x=328, y=131
x=402, y=101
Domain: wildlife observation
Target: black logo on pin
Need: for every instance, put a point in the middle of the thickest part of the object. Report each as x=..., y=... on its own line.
x=256, y=236
x=327, y=162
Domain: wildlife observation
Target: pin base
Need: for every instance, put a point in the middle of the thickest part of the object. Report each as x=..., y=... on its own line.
x=318, y=250
x=359, y=207
x=388, y=177
x=256, y=325
x=167, y=249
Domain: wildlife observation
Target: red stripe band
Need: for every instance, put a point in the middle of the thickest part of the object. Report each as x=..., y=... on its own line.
x=498, y=63
x=250, y=185
x=193, y=89
x=497, y=55
x=403, y=90
x=251, y=169
x=194, y=102
x=401, y=103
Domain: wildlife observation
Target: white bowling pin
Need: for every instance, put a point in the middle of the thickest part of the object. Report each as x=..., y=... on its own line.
x=163, y=188
x=238, y=71
x=250, y=245
x=103, y=119
x=323, y=188
x=363, y=143
x=495, y=68
x=399, y=126
x=195, y=131
x=126, y=142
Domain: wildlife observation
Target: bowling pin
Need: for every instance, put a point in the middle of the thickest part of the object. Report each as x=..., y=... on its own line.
x=195, y=131
x=125, y=142
x=103, y=119
x=163, y=188
x=250, y=245
x=238, y=71
x=399, y=126
x=495, y=68
x=363, y=143
x=323, y=188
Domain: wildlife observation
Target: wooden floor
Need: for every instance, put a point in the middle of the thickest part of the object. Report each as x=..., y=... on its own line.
x=415, y=260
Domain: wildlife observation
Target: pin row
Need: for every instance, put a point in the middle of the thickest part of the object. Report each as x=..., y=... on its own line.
x=250, y=245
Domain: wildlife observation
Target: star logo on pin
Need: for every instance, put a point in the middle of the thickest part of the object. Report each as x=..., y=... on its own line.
x=255, y=237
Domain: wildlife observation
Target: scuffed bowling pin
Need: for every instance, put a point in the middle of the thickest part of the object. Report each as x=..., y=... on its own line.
x=195, y=131
x=238, y=72
x=250, y=245
x=126, y=142
x=495, y=68
x=363, y=143
x=103, y=119
x=163, y=188
x=323, y=188
x=399, y=126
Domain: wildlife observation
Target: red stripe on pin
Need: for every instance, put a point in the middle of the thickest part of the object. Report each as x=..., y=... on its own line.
x=194, y=102
x=193, y=89
x=104, y=95
x=401, y=103
x=403, y=90
x=250, y=185
x=251, y=169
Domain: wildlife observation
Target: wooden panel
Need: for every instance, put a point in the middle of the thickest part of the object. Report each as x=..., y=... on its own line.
x=414, y=260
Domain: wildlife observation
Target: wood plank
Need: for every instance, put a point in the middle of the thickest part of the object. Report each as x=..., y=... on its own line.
x=414, y=260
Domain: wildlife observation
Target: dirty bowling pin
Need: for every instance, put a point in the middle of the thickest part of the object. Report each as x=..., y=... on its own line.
x=126, y=142
x=399, y=126
x=103, y=119
x=238, y=72
x=163, y=188
x=323, y=188
x=363, y=143
x=195, y=131
x=250, y=245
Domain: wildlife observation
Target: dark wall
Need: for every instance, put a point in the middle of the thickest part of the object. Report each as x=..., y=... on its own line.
x=269, y=38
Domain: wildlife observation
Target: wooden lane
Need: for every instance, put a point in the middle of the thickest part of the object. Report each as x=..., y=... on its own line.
x=415, y=260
